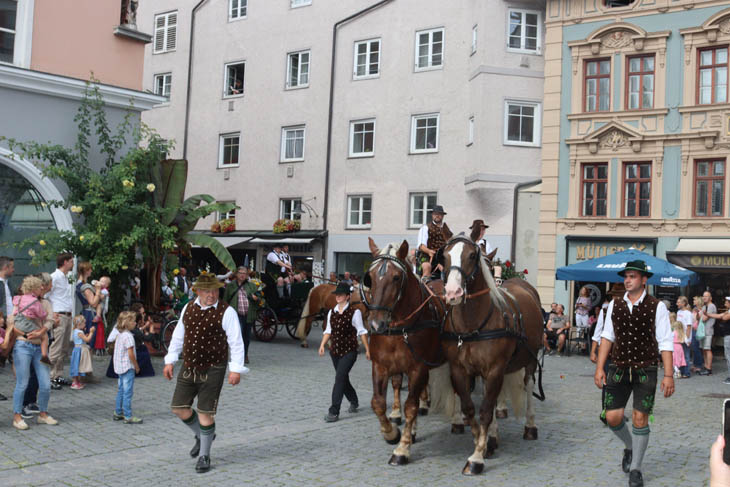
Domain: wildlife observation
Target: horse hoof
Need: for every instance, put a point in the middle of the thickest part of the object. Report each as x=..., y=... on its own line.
x=501, y=413
x=397, y=421
x=422, y=412
x=457, y=429
x=413, y=438
x=397, y=460
x=473, y=468
x=395, y=440
x=530, y=433
x=491, y=447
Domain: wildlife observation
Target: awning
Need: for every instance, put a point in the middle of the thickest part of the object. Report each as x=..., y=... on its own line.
x=228, y=241
x=702, y=254
x=282, y=241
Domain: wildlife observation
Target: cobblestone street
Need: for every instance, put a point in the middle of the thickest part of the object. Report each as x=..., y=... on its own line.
x=270, y=433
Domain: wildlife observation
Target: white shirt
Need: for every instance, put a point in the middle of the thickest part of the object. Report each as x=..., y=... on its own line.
x=61, y=295
x=663, y=328
x=356, y=320
x=487, y=247
x=422, y=237
x=684, y=316
x=599, y=326
x=8, y=298
x=113, y=335
x=231, y=326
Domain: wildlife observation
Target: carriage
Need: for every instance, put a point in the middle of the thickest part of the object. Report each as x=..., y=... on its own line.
x=276, y=312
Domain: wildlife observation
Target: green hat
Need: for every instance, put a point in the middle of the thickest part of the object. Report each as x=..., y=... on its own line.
x=207, y=280
x=636, y=265
x=342, y=288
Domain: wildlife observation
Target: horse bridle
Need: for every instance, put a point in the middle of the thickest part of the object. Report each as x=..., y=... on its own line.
x=465, y=279
x=400, y=265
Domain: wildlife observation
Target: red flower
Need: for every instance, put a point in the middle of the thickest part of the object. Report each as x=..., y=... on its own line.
x=525, y=271
x=508, y=264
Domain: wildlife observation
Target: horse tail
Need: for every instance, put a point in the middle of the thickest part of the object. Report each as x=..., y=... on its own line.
x=514, y=388
x=302, y=326
x=443, y=397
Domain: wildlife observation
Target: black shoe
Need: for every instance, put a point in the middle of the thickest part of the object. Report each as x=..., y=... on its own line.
x=353, y=408
x=26, y=414
x=331, y=418
x=3, y=398
x=203, y=464
x=56, y=386
x=704, y=371
x=635, y=479
x=626, y=462
x=63, y=381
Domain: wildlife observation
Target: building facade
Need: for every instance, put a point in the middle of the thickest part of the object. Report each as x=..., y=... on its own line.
x=636, y=135
x=354, y=117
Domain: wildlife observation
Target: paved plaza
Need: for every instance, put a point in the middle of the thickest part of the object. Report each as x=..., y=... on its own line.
x=271, y=433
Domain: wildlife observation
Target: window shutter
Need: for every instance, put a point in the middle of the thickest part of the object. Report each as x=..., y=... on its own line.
x=159, y=33
x=171, y=32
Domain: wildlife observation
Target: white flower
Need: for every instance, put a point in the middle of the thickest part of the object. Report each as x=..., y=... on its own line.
x=31, y=252
x=76, y=209
x=150, y=187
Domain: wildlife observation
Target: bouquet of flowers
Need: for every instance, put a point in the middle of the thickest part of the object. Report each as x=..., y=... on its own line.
x=227, y=225
x=509, y=270
x=283, y=226
x=259, y=291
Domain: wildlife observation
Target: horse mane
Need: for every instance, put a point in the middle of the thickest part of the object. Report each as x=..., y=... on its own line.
x=497, y=297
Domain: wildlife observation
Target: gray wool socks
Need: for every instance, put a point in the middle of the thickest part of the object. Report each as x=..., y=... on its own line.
x=193, y=424
x=622, y=431
x=639, y=444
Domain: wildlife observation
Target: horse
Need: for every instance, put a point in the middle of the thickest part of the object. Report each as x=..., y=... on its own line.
x=405, y=318
x=489, y=332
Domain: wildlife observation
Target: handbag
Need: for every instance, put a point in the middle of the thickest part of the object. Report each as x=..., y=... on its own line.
x=85, y=366
x=700, y=333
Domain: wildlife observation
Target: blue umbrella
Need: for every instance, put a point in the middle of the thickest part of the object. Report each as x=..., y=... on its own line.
x=605, y=269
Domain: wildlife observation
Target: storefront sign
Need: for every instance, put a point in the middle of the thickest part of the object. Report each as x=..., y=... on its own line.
x=706, y=261
x=594, y=250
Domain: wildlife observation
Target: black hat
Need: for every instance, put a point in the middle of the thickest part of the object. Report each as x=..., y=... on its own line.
x=342, y=288
x=438, y=209
x=636, y=265
x=478, y=224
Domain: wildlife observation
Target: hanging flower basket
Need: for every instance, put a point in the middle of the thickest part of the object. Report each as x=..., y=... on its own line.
x=228, y=225
x=285, y=226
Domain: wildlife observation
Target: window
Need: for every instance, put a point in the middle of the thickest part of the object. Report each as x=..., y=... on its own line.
x=163, y=82
x=712, y=76
x=297, y=70
x=421, y=206
x=709, y=188
x=229, y=214
x=425, y=133
x=235, y=73
x=165, y=32
x=8, y=13
x=300, y=3
x=290, y=209
x=637, y=189
x=367, y=59
x=524, y=31
x=362, y=138
x=474, y=39
x=470, y=135
x=429, y=49
x=230, y=146
x=237, y=9
x=292, y=144
x=617, y=3
x=594, y=189
x=522, y=123
x=359, y=211
x=640, y=84
x=597, y=90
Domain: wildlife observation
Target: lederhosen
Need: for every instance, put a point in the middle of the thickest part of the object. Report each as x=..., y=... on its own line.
x=634, y=356
x=205, y=352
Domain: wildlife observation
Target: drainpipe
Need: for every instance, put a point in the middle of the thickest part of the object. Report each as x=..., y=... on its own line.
x=337, y=25
x=513, y=246
x=190, y=76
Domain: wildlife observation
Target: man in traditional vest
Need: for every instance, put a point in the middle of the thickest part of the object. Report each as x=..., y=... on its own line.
x=634, y=328
x=277, y=268
x=431, y=238
x=207, y=330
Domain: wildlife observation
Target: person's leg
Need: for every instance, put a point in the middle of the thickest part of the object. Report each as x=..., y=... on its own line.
x=344, y=367
x=22, y=359
x=280, y=287
x=207, y=432
x=644, y=392
x=31, y=392
x=685, y=369
x=128, y=390
x=726, y=344
x=617, y=391
x=118, y=407
x=245, y=330
x=707, y=352
x=697, y=360
x=44, y=382
x=338, y=389
x=545, y=342
x=561, y=342
x=426, y=268
x=58, y=351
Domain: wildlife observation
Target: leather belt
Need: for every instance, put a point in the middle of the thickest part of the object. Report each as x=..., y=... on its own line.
x=65, y=313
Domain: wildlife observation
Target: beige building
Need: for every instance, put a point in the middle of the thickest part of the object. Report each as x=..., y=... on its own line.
x=418, y=103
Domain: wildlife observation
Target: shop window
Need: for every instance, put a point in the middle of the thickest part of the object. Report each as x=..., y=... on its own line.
x=597, y=85
x=594, y=189
x=637, y=189
x=709, y=188
x=712, y=75
x=640, y=82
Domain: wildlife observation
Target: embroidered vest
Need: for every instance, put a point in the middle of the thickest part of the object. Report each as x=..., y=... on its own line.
x=438, y=236
x=636, y=344
x=344, y=335
x=205, y=341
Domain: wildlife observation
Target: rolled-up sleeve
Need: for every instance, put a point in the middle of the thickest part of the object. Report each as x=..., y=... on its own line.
x=232, y=327
x=357, y=323
x=663, y=327
x=599, y=328
x=608, y=332
x=176, y=342
x=422, y=236
x=328, y=329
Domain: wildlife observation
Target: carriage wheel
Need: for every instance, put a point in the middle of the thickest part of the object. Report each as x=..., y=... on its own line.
x=292, y=324
x=167, y=332
x=265, y=325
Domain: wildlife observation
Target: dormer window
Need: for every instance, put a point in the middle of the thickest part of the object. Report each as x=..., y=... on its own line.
x=617, y=3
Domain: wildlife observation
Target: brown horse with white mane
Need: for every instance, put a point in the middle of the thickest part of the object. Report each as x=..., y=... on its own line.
x=489, y=332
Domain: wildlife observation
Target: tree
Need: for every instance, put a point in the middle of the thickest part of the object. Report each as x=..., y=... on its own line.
x=131, y=200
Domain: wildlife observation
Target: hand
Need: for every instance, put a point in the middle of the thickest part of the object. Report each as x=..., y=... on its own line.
x=254, y=297
x=668, y=386
x=36, y=333
x=234, y=378
x=367, y=354
x=600, y=378
x=719, y=470
x=594, y=356
x=56, y=319
x=321, y=350
x=168, y=371
x=136, y=369
x=92, y=329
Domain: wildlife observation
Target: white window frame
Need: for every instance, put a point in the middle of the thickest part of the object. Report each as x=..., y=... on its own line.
x=360, y=212
x=522, y=49
x=352, y=152
x=228, y=214
x=411, y=207
x=165, y=32
x=14, y=33
x=470, y=131
x=299, y=84
x=225, y=79
x=221, y=142
x=165, y=83
x=292, y=208
x=300, y=3
x=474, y=39
x=414, y=122
x=536, y=123
x=430, y=33
x=284, y=131
x=368, y=54
x=242, y=6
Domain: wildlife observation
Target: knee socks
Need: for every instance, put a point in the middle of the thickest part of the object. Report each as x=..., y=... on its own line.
x=280, y=291
x=622, y=431
x=640, y=442
x=193, y=424
x=207, y=433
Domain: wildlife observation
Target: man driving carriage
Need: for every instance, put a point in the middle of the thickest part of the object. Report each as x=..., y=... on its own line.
x=278, y=268
x=432, y=237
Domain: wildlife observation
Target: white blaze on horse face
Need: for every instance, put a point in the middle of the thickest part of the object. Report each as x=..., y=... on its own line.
x=453, y=286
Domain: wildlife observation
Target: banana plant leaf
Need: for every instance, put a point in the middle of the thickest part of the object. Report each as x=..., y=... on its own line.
x=219, y=251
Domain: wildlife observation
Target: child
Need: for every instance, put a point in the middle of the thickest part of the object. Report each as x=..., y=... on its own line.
x=679, y=338
x=80, y=354
x=28, y=312
x=344, y=325
x=99, y=346
x=125, y=365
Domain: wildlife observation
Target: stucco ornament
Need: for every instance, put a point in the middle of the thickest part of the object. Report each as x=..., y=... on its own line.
x=613, y=140
x=616, y=39
x=725, y=26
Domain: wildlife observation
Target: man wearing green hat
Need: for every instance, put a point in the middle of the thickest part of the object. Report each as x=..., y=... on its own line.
x=207, y=329
x=634, y=329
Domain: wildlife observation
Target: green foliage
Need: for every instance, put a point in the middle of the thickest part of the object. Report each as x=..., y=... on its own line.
x=509, y=270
